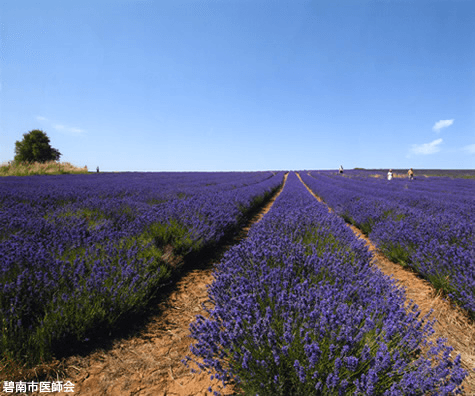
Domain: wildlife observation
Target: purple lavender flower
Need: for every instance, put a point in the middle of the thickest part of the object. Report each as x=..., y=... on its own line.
x=336, y=324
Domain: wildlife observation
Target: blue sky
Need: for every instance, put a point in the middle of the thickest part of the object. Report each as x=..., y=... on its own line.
x=212, y=85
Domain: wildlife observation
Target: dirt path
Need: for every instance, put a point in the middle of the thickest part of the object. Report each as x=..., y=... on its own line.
x=451, y=322
x=149, y=363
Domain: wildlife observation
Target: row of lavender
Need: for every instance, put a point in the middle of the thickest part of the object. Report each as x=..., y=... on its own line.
x=78, y=252
x=426, y=223
x=298, y=310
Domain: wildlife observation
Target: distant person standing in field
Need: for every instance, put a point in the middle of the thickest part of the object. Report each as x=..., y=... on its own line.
x=410, y=174
x=390, y=174
x=97, y=169
x=340, y=171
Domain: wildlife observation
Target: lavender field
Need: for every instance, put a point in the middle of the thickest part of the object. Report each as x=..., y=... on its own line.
x=426, y=223
x=80, y=252
x=298, y=309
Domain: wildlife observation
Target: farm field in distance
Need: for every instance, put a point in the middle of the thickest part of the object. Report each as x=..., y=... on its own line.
x=297, y=306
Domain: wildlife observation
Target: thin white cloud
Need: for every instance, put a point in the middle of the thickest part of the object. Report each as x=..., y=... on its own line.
x=469, y=149
x=426, y=148
x=76, y=130
x=68, y=129
x=61, y=127
x=442, y=124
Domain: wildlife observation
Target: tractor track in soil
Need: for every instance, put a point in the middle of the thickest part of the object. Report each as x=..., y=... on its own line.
x=451, y=323
x=148, y=362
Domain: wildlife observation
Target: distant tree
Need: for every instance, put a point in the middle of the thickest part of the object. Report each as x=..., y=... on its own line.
x=35, y=147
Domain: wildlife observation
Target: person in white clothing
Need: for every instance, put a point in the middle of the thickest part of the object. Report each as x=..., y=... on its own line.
x=390, y=174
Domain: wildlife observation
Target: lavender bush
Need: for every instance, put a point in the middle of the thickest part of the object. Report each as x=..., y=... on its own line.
x=299, y=311
x=79, y=252
x=426, y=223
